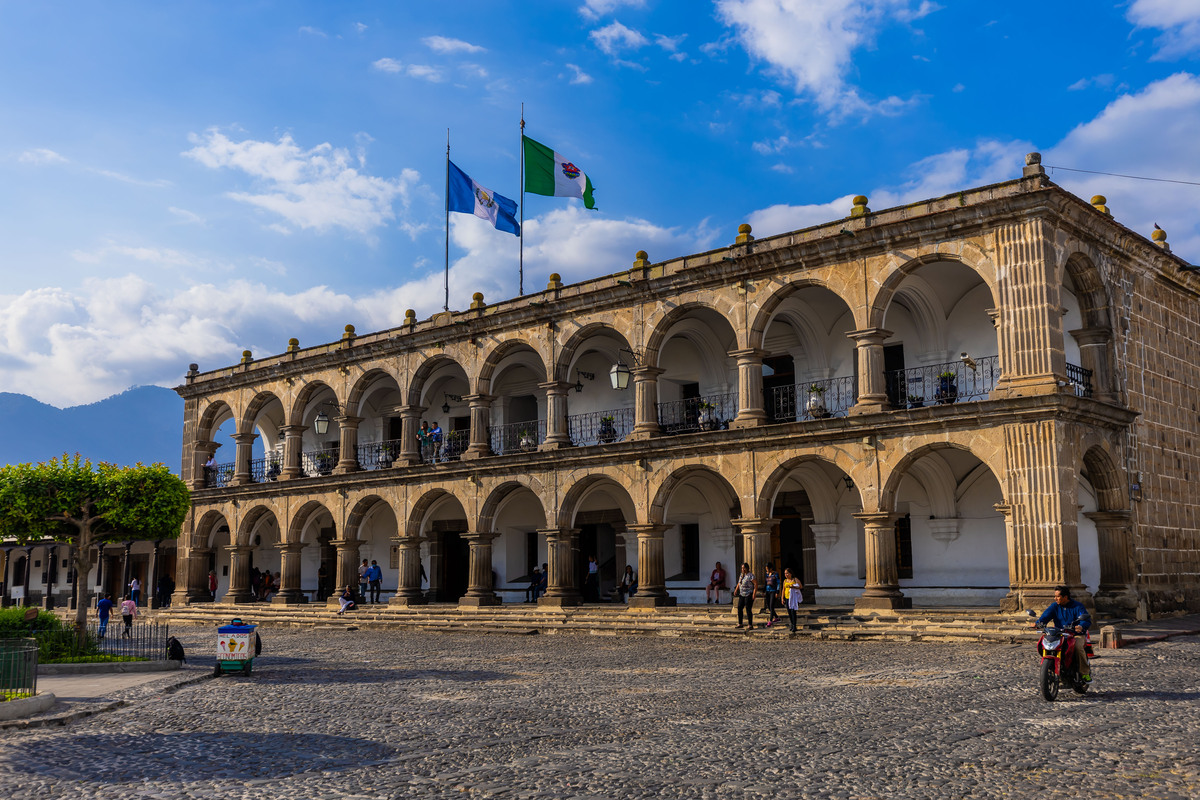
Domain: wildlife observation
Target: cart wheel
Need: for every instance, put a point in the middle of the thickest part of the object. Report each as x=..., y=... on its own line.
x=217, y=670
x=246, y=668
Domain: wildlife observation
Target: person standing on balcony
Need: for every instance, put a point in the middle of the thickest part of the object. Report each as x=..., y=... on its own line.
x=435, y=440
x=423, y=442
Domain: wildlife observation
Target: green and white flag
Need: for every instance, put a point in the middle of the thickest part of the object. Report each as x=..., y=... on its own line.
x=549, y=173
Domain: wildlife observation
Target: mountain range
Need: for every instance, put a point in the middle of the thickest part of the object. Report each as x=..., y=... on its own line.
x=141, y=424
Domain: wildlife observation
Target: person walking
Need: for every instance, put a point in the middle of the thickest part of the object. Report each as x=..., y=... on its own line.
x=771, y=592
x=746, y=590
x=128, y=612
x=104, y=608
x=793, y=595
x=135, y=590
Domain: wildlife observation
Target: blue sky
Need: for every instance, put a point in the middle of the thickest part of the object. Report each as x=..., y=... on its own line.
x=182, y=181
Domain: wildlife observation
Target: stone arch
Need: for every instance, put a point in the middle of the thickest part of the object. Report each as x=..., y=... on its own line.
x=568, y=354
x=658, y=507
x=255, y=407
x=1090, y=290
x=824, y=495
x=206, y=526
x=501, y=351
x=766, y=310
x=365, y=506
x=581, y=489
x=216, y=413
x=304, y=396
x=302, y=516
x=887, y=291
x=662, y=327
x=251, y=519
x=363, y=385
x=425, y=504
x=898, y=471
x=1106, y=478
x=416, y=385
x=496, y=499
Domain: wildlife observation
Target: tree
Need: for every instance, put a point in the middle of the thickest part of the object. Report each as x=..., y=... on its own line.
x=71, y=501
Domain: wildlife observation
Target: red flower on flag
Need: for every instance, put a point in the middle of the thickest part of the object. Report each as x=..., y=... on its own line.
x=570, y=170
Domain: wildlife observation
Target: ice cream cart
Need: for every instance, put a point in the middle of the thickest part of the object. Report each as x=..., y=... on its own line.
x=237, y=645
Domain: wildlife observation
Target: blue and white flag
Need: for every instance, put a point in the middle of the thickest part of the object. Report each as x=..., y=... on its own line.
x=468, y=197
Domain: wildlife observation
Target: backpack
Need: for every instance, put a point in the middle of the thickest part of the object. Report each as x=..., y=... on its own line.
x=175, y=650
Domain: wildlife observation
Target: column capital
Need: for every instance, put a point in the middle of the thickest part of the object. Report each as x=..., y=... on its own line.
x=347, y=421
x=478, y=399
x=345, y=544
x=1108, y=519
x=880, y=518
x=290, y=547
x=754, y=525
x=649, y=529
x=1086, y=336
x=294, y=430
x=559, y=387
x=239, y=549
x=646, y=371
x=558, y=533
x=244, y=438
x=747, y=353
x=868, y=336
x=412, y=411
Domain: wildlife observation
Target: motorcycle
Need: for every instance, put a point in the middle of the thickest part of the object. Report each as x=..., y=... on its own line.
x=1057, y=651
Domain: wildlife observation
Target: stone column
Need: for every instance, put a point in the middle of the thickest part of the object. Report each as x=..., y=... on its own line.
x=557, y=435
x=346, y=573
x=151, y=588
x=1094, y=348
x=645, y=404
x=750, y=390
x=481, y=420
x=290, y=583
x=1012, y=600
x=202, y=452
x=479, y=581
x=239, y=574
x=652, y=588
x=191, y=578
x=48, y=595
x=756, y=549
x=882, y=590
x=126, y=576
x=25, y=601
x=410, y=423
x=347, y=444
x=4, y=577
x=293, y=445
x=562, y=587
x=1116, y=592
x=872, y=387
x=241, y=459
x=409, y=592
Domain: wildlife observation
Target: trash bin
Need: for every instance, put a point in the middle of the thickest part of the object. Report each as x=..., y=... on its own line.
x=237, y=645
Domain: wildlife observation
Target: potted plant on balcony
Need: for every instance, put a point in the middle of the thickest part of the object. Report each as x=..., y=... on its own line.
x=608, y=429
x=915, y=401
x=526, y=440
x=816, y=402
x=324, y=463
x=947, y=391
x=386, y=456
x=274, y=467
x=708, y=417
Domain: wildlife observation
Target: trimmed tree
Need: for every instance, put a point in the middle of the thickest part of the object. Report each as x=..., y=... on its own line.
x=71, y=501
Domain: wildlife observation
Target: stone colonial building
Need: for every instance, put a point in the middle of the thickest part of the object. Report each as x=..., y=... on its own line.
x=963, y=401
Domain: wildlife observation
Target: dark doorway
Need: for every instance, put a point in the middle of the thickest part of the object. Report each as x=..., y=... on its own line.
x=793, y=544
x=598, y=539
x=779, y=394
x=453, y=561
x=893, y=373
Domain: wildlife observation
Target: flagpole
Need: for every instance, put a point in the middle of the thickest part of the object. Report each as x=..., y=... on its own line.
x=521, y=260
x=446, y=307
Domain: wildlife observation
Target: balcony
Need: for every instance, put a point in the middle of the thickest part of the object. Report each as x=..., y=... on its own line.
x=378, y=455
x=600, y=427
x=812, y=400
x=949, y=382
x=517, y=437
x=711, y=412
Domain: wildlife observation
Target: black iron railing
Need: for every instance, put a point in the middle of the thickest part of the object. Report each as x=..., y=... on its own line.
x=951, y=382
x=454, y=444
x=319, y=462
x=218, y=476
x=146, y=640
x=813, y=400
x=600, y=427
x=18, y=668
x=516, y=437
x=1081, y=380
x=708, y=413
x=378, y=455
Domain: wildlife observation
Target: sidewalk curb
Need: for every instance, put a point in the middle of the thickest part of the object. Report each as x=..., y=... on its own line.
x=108, y=667
x=67, y=717
x=1125, y=641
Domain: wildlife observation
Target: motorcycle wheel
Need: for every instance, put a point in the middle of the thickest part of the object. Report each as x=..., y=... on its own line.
x=1049, y=681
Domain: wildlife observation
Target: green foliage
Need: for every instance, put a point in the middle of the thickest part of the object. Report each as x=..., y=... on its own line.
x=56, y=641
x=12, y=622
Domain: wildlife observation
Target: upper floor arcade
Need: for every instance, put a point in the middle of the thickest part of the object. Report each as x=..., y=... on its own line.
x=999, y=292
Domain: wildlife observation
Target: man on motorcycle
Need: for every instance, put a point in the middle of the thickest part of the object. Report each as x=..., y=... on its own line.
x=1068, y=614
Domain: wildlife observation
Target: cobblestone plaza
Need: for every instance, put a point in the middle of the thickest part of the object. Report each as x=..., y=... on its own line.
x=374, y=714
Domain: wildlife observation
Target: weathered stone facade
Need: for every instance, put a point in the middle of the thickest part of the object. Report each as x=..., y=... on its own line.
x=966, y=400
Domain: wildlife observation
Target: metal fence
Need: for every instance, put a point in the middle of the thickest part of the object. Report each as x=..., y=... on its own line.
x=600, y=427
x=1081, y=380
x=831, y=397
x=517, y=437
x=707, y=413
x=18, y=668
x=378, y=455
x=951, y=382
x=320, y=462
x=147, y=640
x=218, y=476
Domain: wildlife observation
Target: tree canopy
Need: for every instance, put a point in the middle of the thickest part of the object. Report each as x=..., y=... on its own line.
x=71, y=501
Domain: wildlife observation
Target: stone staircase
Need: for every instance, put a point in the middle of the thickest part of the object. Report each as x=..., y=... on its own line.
x=825, y=623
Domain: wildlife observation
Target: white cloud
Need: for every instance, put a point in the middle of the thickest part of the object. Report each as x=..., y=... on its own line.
x=311, y=31
x=1178, y=19
x=669, y=43
x=578, y=77
x=157, y=183
x=161, y=256
x=388, y=65
x=441, y=44
x=594, y=9
x=811, y=44
x=184, y=215
x=360, y=27
x=422, y=71
x=40, y=157
x=770, y=147
x=783, y=168
x=1104, y=81
x=615, y=37
x=314, y=189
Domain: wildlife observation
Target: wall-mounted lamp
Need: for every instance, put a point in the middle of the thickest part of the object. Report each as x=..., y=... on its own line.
x=620, y=372
x=446, y=405
x=321, y=423
x=849, y=482
x=591, y=376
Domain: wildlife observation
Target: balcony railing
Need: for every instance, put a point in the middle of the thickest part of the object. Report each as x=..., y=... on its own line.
x=801, y=402
x=378, y=455
x=320, y=462
x=516, y=437
x=265, y=469
x=218, y=476
x=1081, y=380
x=951, y=382
x=600, y=427
x=708, y=413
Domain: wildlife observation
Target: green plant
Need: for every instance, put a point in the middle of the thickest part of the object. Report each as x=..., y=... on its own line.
x=948, y=375
x=816, y=389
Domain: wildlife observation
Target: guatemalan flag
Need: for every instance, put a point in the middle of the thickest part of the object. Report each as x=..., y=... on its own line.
x=469, y=197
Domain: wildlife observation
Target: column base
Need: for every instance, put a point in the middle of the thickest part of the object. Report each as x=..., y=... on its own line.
x=638, y=435
x=882, y=603
x=289, y=599
x=870, y=406
x=345, y=469
x=230, y=597
x=559, y=602
x=479, y=602
x=554, y=445
x=753, y=420
x=408, y=601
x=643, y=602
x=473, y=452
x=1121, y=601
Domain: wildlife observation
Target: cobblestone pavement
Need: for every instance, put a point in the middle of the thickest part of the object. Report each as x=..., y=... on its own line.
x=374, y=714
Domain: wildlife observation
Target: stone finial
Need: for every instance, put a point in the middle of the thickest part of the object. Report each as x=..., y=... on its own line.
x=410, y=317
x=744, y=235
x=860, y=206
x=1159, y=236
x=477, y=301
x=348, y=334
x=641, y=259
x=293, y=344
x=247, y=356
x=193, y=369
x=1033, y=165
x=555, y=281
x=1098, y=203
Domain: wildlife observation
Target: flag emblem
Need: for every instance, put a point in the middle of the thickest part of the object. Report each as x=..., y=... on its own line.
x=570, y=170
x=483, y=197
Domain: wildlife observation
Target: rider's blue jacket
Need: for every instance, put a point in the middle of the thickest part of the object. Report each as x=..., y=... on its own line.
x=1068, y=616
